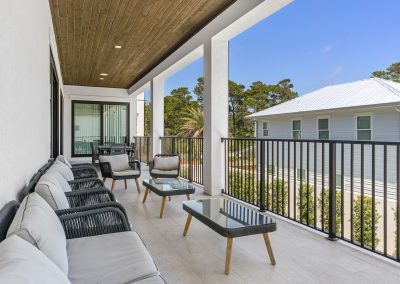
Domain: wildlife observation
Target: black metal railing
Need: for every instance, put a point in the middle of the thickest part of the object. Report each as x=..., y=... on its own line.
x=142, y=148
x=346, y=189
x=82, y=143
x=190, y=151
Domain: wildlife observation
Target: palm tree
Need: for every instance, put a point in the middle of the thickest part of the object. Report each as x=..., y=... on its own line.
x=193, y=123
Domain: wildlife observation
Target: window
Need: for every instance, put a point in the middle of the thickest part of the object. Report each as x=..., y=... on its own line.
x=98, y=122
x=296, y=129
x=265, y=128
x=364, y=131
x=302, y=172
x=323, y=128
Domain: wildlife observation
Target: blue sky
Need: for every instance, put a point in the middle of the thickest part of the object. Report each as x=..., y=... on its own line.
x=314, y=43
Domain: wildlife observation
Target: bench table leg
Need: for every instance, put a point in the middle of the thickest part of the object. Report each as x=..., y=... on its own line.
x=269, y=248
x=188, y=220
x=145, y=194
x=229, y=243
x=164, y=199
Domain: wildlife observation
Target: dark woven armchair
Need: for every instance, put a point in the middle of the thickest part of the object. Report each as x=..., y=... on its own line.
x=164, y=166
x=120, y=167
x=85, y=183
x=94, y=220
x=86, y=197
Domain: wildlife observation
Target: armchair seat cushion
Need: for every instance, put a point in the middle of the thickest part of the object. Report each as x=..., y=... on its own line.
x=21, y=262
x=126, y=173
x=166, y=173
x=110, y=258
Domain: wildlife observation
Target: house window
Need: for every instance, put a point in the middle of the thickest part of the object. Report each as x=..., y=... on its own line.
x=364, y=131
x=265, y=128
x=323, y=128
x=296, y=129
x=302, y=172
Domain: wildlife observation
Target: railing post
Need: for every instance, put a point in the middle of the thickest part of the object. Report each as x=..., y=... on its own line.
x=262, y=176
x=148, y=149
x=190, y=152
x=332, y=191
x=173, y=150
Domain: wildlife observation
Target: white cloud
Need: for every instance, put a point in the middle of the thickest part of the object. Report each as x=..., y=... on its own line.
x=328, y=48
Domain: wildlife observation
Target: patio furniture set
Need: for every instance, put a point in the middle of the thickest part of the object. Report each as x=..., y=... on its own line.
x=69, y=228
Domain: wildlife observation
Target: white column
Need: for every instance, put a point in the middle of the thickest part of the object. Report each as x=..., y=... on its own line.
x=215, y=113
x=157, y=114
x=140, y=114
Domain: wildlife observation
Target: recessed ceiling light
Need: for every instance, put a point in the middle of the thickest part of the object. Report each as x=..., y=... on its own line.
x=103, y=74
x=118, y=46
x=101, y=78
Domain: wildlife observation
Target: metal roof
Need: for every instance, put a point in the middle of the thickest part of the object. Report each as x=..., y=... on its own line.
x=368, y=92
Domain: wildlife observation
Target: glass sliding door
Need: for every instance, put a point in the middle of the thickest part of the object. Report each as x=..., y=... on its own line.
x=98, y=122
x=87, y=118
x=115, y=123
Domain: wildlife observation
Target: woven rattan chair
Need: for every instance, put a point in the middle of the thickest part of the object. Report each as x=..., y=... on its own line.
x=164, y=166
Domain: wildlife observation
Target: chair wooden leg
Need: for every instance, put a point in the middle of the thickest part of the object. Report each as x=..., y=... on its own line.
x=113, y=185
x=164, y=199
x=126, y=184
x=169, y=198
x=104, y=179
x=188, y=196
x=269, y=248
x=145, y=194
x=137, y=185
x=188, y=220
x=229, y=243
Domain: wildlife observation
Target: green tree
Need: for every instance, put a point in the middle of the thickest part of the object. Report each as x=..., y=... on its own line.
x=302, y=203
x=282, y=92
x=193, y=123
x=325, y=197
x=237, y=108
x=257, y=96
x=368, y=232
x=199, y=90
x=147, y=118
x=392, y=73
x=276, y=189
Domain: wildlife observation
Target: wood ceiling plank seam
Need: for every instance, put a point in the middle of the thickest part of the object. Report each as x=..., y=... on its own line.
x=80, y=23
x=60, y=39
x=111, y=52
x=56, y=31
x=123, y=37
x=76, y=37
x=137, y=24
x=106, y=45
x=87, y=15
x=183, y=8
x=70, y=38
x=97, y=45
x=149, y=39
x=148, y=69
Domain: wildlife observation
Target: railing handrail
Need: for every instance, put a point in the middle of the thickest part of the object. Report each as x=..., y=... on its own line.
x=183, y=137
x=361, y=142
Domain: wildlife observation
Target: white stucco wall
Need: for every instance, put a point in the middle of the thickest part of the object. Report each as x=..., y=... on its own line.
x=26, y=35
x=72, y=93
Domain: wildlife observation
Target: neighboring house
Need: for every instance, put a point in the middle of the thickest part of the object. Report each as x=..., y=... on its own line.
x=367, y=110
x=360, y=110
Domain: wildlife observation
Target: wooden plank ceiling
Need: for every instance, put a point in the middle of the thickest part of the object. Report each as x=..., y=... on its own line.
x=87, y=32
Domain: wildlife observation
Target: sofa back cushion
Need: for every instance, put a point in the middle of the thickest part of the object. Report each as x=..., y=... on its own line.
x=54, y=175
x=166, y=163
x=118, y=162
x=21, y=262
x=37, y=223
x=63, y=160
x=49, y=189
x=63, y=169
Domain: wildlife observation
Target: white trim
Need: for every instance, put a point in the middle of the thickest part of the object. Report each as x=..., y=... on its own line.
x=358, y=114
x=328, y=117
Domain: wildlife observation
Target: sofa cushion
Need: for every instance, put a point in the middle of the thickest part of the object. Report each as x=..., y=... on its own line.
x=21, y=262
x=126, y=173
x=118, y=162
x=166, y=163
x=62, y=159
x=37, y=223
x=54, y=175
x=64, y=170
x=151, y=280
x=111, y=258
x=169, y=173
x=51, y=191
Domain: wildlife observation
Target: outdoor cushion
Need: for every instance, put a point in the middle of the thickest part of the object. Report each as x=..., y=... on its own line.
x=37, y=223
x=21, y=262
x=53, y=175
x=62, y=159
x=118, y=162
x=159, y=172
x=110, y=258
x=64, y=170
x=151, y=280
x=166, y=163
x=126, y=173
x=52, y=193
